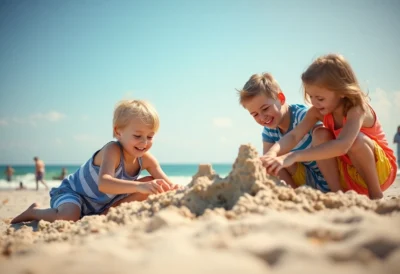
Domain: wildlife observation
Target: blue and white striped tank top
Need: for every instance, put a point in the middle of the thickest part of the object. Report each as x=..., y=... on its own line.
x=273, y=135
x=85, y=182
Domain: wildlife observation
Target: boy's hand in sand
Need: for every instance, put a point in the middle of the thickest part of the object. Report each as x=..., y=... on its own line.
x=153, y=187
x=176, y=187
x=270, y=154
x=274, y=164
x=172, y=186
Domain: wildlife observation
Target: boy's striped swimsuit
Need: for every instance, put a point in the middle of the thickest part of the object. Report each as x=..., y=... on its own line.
x=315, y=178
x=81, y=188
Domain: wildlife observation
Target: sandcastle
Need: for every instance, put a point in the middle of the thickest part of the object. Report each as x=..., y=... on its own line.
x=208, y=191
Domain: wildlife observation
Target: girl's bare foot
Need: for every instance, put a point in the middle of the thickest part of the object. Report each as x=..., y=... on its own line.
x=25, y=216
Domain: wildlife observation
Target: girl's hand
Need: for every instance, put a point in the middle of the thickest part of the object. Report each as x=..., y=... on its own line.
x=268, y=158
x=270, y=154
x=275, y=164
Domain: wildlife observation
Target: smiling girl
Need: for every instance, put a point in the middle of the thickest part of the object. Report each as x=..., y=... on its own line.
x=110, y=176
x=266, y=103
x=366, y=163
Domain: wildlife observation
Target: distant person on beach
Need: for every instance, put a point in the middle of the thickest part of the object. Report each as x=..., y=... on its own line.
x=39, y=172
x=266, y=102
x=9, y=172
x=21, y=186
x=366, y=163
x=397, y=141
x=110, y=176
x=62, y=175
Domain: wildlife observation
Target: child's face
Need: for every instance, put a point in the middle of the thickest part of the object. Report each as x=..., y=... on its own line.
x=136, y=138
x=324, y=100
x=266, y=111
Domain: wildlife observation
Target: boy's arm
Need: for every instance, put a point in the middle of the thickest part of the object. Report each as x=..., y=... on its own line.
x=339, y=146
x=292, y=138
x=152, y=166
x=266, y=146
x=107, y=182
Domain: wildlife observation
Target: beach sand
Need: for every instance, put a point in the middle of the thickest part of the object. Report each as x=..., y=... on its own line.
x=247, y=222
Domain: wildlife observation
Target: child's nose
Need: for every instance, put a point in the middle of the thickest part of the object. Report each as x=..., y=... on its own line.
x=264, y=117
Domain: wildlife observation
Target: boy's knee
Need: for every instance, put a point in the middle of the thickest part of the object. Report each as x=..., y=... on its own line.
x=146, y=179
x=68, y=215
x=321, y=135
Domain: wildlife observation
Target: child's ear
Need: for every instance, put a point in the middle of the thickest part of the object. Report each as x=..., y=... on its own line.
x=281, y=98
x=117, y=134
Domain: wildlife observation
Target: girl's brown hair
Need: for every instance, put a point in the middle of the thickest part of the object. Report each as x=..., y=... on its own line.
x=259, y=84
x=334, y=73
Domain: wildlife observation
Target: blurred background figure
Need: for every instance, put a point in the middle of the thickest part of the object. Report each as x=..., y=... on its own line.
x=21, y=186
x=62, y=175
x=397, y=141
x=9, y=172
x=39, y=172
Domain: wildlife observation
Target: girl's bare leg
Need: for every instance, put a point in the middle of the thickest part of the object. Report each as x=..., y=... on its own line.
x=329, y=167
x=67, y=211
x=363, y=158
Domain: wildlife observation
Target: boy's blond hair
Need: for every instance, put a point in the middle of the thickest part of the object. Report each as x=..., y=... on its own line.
x=259, y=84
x=334, y=73
x=126, y=110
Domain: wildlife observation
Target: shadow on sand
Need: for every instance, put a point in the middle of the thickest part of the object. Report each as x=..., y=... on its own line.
x=32, y=224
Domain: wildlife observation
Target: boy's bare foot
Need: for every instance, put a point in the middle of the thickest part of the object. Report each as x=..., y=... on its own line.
x=25, y=216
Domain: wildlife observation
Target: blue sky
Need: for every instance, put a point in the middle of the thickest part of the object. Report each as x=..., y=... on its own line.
x=64, y=65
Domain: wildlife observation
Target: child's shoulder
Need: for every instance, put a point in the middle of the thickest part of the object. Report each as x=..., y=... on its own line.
x=112, y=145
x=112, y=150
x=298, y=112
x=298, y=107
x=269, y=131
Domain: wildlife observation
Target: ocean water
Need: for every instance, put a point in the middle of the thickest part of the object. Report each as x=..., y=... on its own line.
x=179, y=173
